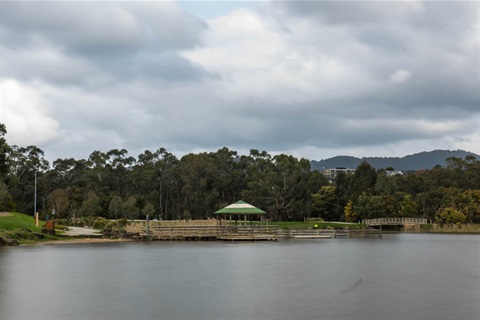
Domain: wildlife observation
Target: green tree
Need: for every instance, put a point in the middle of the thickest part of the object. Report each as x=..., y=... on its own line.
x=350, y=215
x=91, y=205
x=471, y=209
x=363, y=180
x=450, y=215
x=4, y=151
x=369, y=206
x=57, y=200
x=130, y=209
x=385, y=185
x=325, y=204
x=148, y=210
x=115, y=207
x=6, y=200
x=408, y=207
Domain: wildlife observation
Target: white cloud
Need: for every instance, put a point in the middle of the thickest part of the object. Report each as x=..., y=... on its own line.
x=400, y=76
x=26, y=114
x=257, y=58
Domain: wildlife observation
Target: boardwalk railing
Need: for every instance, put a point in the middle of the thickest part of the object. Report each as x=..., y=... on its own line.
x=330, y=233
x=393, y=221
x=214, y=232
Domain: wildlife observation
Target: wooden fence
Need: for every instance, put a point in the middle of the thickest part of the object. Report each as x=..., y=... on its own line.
x=393, y=221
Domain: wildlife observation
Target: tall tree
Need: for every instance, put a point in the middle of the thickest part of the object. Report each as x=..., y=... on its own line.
x=4, y=151
x=363, y=180
x=58, y=201
x=325, y=203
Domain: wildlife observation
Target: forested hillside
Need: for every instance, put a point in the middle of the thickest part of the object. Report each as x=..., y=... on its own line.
x=114, y=184
x=417, y=161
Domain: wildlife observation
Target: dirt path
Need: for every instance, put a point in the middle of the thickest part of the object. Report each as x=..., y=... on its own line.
x=77, y=231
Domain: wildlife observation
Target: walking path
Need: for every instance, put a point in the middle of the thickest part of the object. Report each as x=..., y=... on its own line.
x=77, y=231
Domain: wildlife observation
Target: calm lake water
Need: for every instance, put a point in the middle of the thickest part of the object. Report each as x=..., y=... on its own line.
x=402, y=276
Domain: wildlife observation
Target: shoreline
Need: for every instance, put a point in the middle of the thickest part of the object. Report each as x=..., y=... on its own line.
x=82, y=240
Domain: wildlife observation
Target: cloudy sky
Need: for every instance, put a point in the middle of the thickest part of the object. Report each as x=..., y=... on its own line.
x=314, y=79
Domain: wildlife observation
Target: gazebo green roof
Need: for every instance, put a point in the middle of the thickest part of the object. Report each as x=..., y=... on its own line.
x=240, y=207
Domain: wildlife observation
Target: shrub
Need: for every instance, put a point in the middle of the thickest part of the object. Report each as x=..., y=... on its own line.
x=112, y=225
x=99, y=223
x=426, y=227
x=122, y=222
x=450, y=215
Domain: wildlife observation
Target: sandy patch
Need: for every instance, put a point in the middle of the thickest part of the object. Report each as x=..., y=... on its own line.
x=5, y=214
x=85, y=240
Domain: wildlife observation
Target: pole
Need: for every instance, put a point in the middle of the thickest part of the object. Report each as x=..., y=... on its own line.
x=35, y=197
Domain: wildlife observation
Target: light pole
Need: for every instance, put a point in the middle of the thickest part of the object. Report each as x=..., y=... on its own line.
x=35, y=197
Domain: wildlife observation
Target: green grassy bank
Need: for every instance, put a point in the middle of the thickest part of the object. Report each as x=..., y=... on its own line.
x=17, y=228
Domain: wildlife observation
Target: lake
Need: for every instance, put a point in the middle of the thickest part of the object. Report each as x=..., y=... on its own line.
x=402, y=276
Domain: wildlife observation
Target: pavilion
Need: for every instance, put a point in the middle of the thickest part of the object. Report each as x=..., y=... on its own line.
x=239, y=209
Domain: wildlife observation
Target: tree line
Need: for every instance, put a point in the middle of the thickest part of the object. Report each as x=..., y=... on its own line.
x=114, y=184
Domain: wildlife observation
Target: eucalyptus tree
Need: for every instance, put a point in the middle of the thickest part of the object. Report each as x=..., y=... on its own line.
x=119, y=164
x=153, y=176
x=363, y=180
x=196, y=173
x=325, y=204
x=58, y=201
x=229, y=178
x=27, y=168
x=281, y=184
x=4, y=151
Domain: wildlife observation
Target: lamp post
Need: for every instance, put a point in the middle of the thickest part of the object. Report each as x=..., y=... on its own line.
x=35, y=197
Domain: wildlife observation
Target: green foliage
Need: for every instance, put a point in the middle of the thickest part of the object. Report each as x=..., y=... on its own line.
x=99, y=223
x=115, y=207
x=350, y=215
x=426, y=227
x=363, y=181
x=122, y=222
x=408, y=207
x=57, y=200
x=91, y=205
x=450, y=215
x=325, y=203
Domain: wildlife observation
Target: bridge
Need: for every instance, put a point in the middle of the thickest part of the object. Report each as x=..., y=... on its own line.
x=394, y=221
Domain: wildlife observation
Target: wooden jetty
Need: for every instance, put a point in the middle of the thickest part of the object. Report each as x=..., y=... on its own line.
x=331, y=233
x=226, y=233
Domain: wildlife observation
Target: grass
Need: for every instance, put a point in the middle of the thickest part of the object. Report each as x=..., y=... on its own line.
x=18, y=221
x=20, y=228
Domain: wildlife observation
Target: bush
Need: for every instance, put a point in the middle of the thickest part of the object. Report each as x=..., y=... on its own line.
x=112, y=225
x=450, y=215
x=99, y=223
x=426, y=227
x=122, y=222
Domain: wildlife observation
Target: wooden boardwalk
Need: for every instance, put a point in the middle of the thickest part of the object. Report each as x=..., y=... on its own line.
x=251, y=233
x=227, y=233
x=331, y=233
x=394, y=221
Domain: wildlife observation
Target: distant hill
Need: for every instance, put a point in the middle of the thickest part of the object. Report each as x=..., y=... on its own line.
x=422, y=160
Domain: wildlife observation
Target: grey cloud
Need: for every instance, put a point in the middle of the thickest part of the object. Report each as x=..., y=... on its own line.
x=104, y=27
x=105, y=41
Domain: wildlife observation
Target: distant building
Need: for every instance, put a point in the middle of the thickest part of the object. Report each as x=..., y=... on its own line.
x=393, y=173
x=331, y=174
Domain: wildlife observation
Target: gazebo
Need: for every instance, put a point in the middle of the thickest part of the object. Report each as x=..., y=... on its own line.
x=238, y=209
